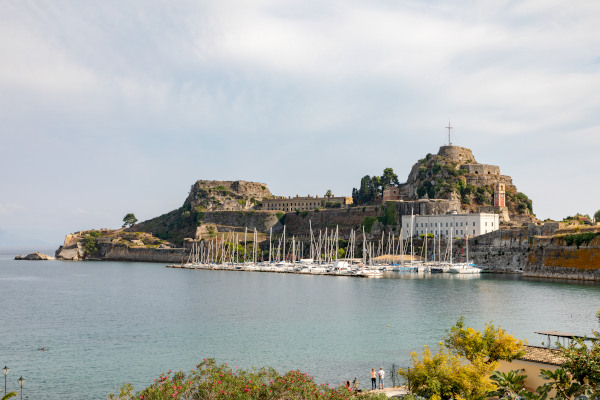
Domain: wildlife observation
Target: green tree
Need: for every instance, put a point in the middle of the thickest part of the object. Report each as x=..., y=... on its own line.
x=493, y=343
x=129, y=220
x=389, y=178
x=366, y=191
x=328, y=194
x=597, y=216
x=463, y=364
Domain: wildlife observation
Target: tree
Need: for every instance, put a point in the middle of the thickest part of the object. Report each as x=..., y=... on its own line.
x=129, y=220
x=494, y=343
x=463, y=364
x=597, y=216
x=365, y=192
x=328, y=194
x=446, y=375
x=389, y=178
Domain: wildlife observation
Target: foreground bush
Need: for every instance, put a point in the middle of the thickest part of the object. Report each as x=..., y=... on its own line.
x=218, y=381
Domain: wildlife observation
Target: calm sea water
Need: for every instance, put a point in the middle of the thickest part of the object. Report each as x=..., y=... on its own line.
x=107, y=323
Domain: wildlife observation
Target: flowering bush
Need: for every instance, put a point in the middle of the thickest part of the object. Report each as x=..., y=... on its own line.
x=218, y=381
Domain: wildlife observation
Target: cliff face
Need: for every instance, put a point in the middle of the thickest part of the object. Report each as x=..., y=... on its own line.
x=536, y=252
x=226, y=195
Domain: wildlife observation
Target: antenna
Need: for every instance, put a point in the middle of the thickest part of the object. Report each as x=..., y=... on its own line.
x=449, y=127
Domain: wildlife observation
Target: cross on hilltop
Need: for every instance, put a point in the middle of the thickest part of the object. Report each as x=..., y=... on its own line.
x=449, y=127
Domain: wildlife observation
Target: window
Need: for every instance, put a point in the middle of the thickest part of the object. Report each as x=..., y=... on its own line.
x=446, y=232
x=492, y=223
x=473, y=223
x=473, y=231
x=446, y=226
x=485, y=223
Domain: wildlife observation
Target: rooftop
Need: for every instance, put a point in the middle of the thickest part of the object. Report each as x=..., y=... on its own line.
x=543, y=355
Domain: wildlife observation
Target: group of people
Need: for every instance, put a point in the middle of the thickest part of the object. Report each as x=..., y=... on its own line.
x=353, y=386
x=374, y=375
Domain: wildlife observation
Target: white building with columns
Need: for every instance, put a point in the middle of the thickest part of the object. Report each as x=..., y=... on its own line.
x=457, y=225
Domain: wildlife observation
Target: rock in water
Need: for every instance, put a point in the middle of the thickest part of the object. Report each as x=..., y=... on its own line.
x=34, y=256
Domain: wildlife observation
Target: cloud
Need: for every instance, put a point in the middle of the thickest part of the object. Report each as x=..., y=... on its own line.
x=10, y=208
x=103, y=103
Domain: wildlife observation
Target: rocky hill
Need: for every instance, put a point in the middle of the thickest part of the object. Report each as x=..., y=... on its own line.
x=454, y=174
x=226, y=195
x=211, y=207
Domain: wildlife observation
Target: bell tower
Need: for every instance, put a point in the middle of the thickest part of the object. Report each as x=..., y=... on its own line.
x=499, y=195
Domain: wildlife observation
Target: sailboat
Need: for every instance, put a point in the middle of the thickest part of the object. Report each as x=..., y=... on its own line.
x=466, y=267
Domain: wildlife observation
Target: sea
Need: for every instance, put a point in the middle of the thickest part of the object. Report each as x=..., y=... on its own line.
x=80, y=330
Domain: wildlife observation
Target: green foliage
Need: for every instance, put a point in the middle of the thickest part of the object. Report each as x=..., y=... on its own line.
x=95, y=234
x=368, y=223
x=463, y=364
x=90, y=245
x=332, y=204
x=390, y=215
x=583, y=360
x=185, y=214
x=280, y=216
x=597, y=216
x=218, y=381
x=493, y=343
x=509, y=385
x=523, y=202
x=328, y=193
x=129, y=220
x=580, y=238
x=444, y=375
x=303, y=214
x=371, y=187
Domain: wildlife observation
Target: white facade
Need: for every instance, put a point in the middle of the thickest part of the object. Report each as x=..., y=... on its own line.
x=457, y=225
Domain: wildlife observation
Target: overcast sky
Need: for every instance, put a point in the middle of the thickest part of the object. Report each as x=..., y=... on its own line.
x=112, y=107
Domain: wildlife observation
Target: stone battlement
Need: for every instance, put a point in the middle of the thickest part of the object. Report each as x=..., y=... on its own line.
x=459, y=155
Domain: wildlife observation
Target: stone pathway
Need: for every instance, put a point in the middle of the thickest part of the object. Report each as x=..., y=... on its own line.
x=389, y=392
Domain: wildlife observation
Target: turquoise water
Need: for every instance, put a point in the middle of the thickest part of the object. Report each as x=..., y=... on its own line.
x=106, y=323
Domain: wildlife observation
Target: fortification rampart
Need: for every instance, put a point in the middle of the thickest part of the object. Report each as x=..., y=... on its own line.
x=481, y=169
x=457, y=154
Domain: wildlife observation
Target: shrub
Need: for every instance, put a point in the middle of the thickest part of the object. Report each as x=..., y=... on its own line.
x=368, y=223
x=580, y=238
x=90, y=245
x=218, y=381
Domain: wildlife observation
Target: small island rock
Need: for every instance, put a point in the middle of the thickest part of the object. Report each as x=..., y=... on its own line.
x=34, y=256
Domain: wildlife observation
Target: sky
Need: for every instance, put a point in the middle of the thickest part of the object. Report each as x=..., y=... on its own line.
x=114, y=107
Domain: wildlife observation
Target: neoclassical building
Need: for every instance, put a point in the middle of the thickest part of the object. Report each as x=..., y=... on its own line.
x=305, y=203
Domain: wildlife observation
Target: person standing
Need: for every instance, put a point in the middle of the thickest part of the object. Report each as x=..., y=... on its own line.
x=373, y=379
x=381, y=374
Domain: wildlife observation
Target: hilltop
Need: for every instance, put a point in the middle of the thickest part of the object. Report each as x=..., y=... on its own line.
x=454, y=174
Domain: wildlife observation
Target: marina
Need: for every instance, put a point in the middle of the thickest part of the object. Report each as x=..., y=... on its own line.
x=386, y=254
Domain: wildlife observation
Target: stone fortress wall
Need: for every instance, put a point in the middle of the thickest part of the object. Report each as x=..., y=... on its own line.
x=481, y=169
